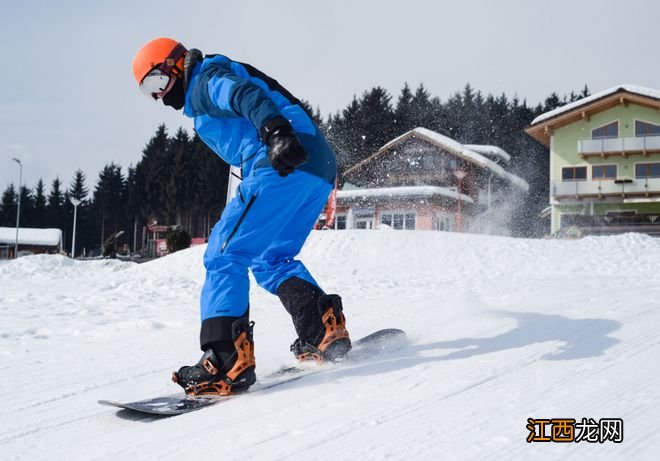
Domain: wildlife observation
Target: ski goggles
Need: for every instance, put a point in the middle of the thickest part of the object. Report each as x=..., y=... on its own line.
x=156, y=84
x=159, y=81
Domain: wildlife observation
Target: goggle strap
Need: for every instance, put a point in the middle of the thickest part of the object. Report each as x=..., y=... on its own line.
x=169, y=65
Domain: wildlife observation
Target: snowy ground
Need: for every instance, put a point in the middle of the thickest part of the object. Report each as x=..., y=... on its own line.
x=501, y=330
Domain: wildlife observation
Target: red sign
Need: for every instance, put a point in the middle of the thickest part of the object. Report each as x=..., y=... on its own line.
x=156, y=228
x=332, y=208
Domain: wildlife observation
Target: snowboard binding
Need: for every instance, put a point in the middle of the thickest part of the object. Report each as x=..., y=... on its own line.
x=210, y=377
x=335, y=341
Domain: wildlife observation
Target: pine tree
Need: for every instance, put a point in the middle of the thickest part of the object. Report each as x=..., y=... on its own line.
x=56, y=197
x=155, y=166
x=552, y=102
x=344, y=134
x=363, y=127
x=134, y=190
x=77, y=189
x=179, y=187
x=9, y=201
x=40, y=210
x=109, y=199
x=55, y=206
x=377, y=117
x=27, y=207
x=421, y=112
x=403, y=113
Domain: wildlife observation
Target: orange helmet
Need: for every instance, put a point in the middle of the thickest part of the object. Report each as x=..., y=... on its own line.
x=165, y=53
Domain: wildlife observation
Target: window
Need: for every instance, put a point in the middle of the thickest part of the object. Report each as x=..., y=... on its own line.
x=399, y=220
x=341, y=222
x=603, y=172
x=574, y=173
x=646, y=129
x=610, y=130
x=409, y=221
x=647, y=170
x=442, y=222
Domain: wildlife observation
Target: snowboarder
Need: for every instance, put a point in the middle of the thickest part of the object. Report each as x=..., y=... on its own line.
x=288, y=171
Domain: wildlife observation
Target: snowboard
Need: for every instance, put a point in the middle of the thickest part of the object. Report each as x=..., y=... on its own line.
x=363, y=349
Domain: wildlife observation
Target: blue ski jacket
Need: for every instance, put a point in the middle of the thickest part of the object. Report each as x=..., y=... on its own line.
x=230, y=102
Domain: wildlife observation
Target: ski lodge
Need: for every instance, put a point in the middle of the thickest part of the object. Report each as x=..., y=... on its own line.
x=30, y=241
x=424, y=180
x=604, y=162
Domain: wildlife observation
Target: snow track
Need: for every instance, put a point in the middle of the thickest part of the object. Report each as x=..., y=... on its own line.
x=500, y=330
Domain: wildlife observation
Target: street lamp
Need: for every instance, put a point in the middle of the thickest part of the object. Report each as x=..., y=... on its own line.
x=460, y=174
x=75, y=202
x=18, y=211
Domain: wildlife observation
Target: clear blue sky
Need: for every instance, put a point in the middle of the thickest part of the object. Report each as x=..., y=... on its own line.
x=68, y=99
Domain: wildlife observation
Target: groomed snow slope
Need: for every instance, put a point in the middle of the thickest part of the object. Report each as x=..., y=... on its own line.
x=501, y=330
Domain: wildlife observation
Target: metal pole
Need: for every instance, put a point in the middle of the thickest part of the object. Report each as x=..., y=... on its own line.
x=18, y=211
x=75, y=202
x=460, y=174
x=460, y=213
x=73, y=244
x=489, y=191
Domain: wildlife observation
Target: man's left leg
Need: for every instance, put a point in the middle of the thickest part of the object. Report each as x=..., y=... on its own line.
x=317, y=317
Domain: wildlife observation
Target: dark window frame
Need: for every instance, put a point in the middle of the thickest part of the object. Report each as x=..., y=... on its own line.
x=646, y=125
x=574, y=176
x=606, y=129
x=648, y=173
x=604, y=167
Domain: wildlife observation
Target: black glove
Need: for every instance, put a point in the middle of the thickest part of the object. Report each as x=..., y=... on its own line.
x=285, y=152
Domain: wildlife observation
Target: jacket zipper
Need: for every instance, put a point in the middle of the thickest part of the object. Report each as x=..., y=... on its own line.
x=238, y=223
x=243, y=160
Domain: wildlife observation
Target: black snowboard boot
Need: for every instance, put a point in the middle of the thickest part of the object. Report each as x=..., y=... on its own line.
x=318, y=319
x=225, y=368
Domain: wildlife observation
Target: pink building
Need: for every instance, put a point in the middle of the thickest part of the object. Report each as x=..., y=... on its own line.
x=423, y=180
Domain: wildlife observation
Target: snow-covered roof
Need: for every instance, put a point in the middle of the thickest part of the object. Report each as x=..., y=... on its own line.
x=29, y=236
x=489, y=151
x=640, y=90
x=458, y=149
x=404, y=191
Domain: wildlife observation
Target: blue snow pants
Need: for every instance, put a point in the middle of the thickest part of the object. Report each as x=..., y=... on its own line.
x=262, y=229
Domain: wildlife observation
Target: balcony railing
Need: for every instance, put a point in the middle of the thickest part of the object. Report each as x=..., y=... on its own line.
x=611, y=220
x=613, y=224
x=611, y=146
x=601, y=188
